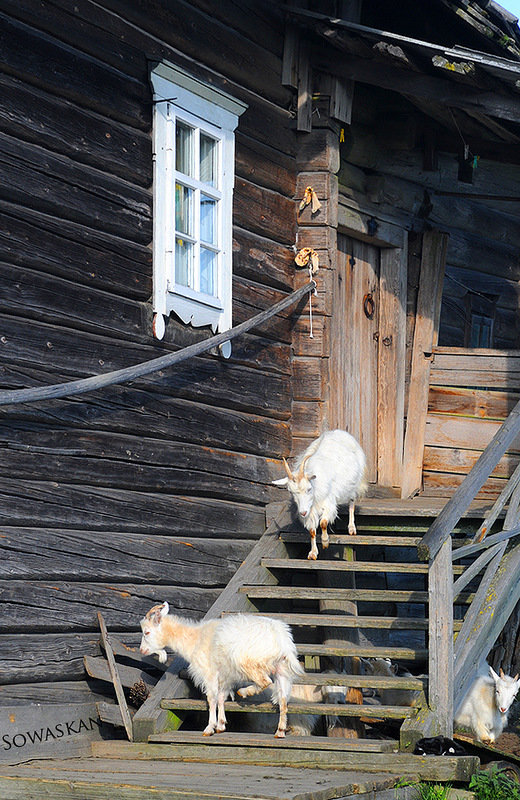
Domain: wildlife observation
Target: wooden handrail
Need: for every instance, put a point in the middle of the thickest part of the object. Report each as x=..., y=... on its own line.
x=460, y=501
x=54, y=391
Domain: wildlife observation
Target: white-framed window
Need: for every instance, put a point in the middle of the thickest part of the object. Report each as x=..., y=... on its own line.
x=194, y=159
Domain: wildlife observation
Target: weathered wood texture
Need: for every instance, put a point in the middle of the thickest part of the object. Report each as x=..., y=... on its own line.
x=425, y=337
x=59, y=731
x=141, y=773
x=152, y=490
x=462, y=420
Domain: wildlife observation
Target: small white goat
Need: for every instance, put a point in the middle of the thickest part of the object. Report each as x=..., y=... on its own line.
x=329, y=473
x=485, y=707
x=388, y=669
x=222, y=653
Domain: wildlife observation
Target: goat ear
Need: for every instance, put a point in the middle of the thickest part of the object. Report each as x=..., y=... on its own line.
x=493, y=674
x=160, y=612
x=281, y=482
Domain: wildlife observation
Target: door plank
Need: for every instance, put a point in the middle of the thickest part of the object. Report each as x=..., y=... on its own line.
x=425, y=337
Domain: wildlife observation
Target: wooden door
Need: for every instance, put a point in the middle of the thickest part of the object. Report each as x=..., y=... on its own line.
x=368, y=353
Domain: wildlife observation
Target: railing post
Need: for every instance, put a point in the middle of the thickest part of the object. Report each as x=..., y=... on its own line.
x=440, y=591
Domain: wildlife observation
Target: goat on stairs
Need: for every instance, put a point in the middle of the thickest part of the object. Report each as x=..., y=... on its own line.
x=366, y=598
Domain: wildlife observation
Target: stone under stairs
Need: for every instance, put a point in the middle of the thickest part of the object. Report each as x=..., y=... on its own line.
x=365, y=598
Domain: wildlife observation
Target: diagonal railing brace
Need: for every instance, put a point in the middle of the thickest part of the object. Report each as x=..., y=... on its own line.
x=54, y=391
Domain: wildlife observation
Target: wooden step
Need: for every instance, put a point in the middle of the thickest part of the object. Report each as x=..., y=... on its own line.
x=333, y=709
x=351, y=621
x=411, y=683
x=328, y=565
x=289, y=742
x=325, y=593
x=395, y=653
x=213, y=749
x=341, y=538
x=302, y=537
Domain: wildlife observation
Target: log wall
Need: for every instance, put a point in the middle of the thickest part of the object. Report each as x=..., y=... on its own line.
x=155, y=490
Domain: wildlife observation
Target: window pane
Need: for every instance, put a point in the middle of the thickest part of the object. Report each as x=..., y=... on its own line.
x=183, y=148
x=208, y=215
x=208, y=160
x=183, y=209
x=183, y=262
x=208, y=267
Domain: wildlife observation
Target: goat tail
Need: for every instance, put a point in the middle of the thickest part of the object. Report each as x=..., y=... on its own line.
x=287, y=669
x=363, y=485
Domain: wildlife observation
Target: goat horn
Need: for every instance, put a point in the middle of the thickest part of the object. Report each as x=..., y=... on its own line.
x=288, y=471
x=302, y=467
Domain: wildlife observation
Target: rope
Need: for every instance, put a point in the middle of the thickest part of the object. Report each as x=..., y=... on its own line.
x=71, y=388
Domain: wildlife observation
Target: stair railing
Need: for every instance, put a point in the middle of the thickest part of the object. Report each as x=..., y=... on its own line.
x=451, y=668
x=72, y=388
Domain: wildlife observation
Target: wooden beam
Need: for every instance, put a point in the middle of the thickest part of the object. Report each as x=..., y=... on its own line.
x=407, y=82
x=304, y=100
x=121, y=699
x=433, y=259
x=440, y=644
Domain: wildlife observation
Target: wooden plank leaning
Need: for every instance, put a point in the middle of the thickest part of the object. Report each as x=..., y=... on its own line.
x=443, y=525
x=121, y=699
x=151, y=718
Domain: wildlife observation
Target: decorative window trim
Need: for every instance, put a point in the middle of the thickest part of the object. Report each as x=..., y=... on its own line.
x=179, y=96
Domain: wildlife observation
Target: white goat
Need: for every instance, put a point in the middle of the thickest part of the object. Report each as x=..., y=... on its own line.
x=329, y=473
x=388, y=669
x=222, y=653
x=485, y=707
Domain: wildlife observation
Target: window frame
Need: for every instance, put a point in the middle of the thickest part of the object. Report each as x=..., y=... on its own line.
x=180, y=96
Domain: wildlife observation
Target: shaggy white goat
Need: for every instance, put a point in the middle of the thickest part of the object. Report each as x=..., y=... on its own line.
x=222, y=653
x=329, y=473
x=485, y=707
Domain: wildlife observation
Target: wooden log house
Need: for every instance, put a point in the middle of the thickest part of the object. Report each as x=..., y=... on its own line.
x=119, y=244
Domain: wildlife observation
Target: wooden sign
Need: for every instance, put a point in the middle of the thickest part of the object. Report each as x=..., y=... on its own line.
x=47, y=731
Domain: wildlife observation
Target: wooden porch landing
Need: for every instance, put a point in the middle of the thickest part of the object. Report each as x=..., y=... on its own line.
x=142, y=779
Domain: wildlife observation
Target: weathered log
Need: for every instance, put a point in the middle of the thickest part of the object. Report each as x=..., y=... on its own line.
x=45, y=554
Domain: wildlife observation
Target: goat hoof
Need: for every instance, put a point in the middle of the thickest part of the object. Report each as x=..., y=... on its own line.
x=312, y=556
x=280, y=734
x=208, y=732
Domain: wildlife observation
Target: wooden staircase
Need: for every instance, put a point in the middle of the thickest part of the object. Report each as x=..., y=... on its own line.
x=366, y=597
